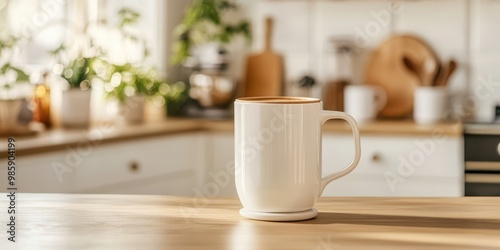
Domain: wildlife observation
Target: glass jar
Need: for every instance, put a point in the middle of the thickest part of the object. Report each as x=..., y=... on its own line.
x=41, y=100
x=339, y=74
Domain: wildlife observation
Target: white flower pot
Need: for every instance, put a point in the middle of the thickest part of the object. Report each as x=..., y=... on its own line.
x=132, y=111
x=9, y=112
x=75, y=108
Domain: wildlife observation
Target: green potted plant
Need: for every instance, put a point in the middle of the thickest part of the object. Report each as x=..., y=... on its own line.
x=204, y=24
x=75, y=106
x=78, y=66
x=200, y=44
x=130, y=85
x=12, y=79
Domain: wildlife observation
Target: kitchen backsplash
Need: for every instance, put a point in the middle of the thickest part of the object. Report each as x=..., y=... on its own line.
x=465, y=30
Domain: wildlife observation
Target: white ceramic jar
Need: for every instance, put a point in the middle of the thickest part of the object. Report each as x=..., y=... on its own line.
x=430, y=104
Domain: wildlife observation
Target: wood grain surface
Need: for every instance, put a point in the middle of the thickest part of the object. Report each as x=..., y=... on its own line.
x=56, y=221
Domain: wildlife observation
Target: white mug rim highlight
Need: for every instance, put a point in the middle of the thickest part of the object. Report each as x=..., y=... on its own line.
x=278, y=100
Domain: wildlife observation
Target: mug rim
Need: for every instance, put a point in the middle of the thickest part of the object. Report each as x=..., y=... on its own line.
x=277, y=100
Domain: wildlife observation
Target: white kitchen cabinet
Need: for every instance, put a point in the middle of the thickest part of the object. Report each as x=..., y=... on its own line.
x=35, y=174
x=220, y=151
x=376, y=185
x=178, y=183
x=202, y=164
x=169, y=164
x=395, y=166
x=389, y=166
x=140, y=159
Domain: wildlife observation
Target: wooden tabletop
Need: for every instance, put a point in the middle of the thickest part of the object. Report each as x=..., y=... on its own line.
x=56, y=221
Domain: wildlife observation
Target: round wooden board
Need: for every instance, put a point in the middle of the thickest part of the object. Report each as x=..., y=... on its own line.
x=386, y=69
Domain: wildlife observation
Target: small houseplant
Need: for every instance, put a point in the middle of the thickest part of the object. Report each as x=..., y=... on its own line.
x=200, y=46
x=130, y=85
x=78, y=66
x=11, y=79
x=204, y=23
x=78, y=74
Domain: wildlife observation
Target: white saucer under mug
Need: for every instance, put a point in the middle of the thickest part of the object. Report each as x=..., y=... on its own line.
x=292, y=216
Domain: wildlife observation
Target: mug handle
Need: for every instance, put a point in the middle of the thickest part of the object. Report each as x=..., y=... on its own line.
x=381, y=98
x=328, y=115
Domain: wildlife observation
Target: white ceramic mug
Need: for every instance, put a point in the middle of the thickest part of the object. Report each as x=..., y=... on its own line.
x=278, y=154
x=429, y=104
x=364, y=102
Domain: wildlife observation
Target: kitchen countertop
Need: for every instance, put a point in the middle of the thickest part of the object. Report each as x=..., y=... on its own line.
x=59, y=139
x=76, y=221
x=482, y=128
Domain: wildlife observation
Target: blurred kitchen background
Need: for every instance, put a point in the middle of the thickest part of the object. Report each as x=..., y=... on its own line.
x=109, y=96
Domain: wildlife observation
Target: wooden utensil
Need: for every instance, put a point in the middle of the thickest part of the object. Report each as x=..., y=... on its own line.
x=429, y=71
x=437, y=77
x=387, y=69
x=411, y=66
x=426, y=71
x=264, y=71
x=448, y=70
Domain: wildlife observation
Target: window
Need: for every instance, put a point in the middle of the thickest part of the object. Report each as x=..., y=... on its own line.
x=43, y=25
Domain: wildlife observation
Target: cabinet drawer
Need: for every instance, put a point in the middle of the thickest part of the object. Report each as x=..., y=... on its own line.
x=376, y=185
x=482, y=148
x=36, y=174
x=178, y=183
x=221, y=153
x=115, y=163
x=439, y=174
x=407, y=156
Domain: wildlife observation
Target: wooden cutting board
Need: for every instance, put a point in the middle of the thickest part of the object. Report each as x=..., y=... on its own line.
x=386, y=69
x=264, y=71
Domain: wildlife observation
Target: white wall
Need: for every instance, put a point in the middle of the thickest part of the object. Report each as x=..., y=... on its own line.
x=38, y=24
x=465, y=30
x=156, y=25
x=484, y=58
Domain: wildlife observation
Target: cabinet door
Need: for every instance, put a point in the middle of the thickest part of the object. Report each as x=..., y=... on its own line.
x=171, y=164
x=396, y=165
x=113, y=164
x=220, y=153
x=377, y=185
x=40, y=173
x=389, y=165
x=179, y=183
